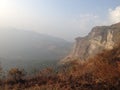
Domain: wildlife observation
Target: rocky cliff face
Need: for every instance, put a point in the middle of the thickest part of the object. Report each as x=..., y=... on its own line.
x=101, y=37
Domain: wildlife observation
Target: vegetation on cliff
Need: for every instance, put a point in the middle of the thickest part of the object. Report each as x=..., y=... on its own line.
x=101, y=72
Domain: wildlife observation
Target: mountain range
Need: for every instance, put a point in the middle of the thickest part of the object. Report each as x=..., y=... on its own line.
x=20, y=48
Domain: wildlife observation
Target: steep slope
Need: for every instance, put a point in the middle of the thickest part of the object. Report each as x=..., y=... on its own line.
x=101, y=37
x=27, y=48
x=102, y=72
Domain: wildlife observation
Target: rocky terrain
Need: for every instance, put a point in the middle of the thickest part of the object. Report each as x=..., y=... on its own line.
x=100, y=38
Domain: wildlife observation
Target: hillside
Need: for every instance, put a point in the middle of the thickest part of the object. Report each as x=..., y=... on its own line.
x=19, y=48
x=99, y=69
x=100, y=38
x=102, y=72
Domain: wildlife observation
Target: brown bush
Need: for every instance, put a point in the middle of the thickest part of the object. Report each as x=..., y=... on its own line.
x=16, y=75
x=101, y=72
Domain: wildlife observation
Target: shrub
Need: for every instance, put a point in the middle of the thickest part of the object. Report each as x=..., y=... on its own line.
x=16, y=75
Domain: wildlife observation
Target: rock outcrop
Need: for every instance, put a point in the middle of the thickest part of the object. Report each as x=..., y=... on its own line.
x=100, y=38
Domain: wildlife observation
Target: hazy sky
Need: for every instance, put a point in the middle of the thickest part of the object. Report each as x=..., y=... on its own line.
x=62, y=18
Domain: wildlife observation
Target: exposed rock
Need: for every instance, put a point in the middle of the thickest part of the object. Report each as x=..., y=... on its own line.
x=100, y=38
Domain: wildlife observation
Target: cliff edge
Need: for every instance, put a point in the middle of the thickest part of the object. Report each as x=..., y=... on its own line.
x=100, y=38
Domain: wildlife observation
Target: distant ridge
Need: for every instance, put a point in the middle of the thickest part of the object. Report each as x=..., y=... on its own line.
x=27, y=48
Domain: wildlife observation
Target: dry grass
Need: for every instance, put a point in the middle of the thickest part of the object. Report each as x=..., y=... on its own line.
x=101, y=72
